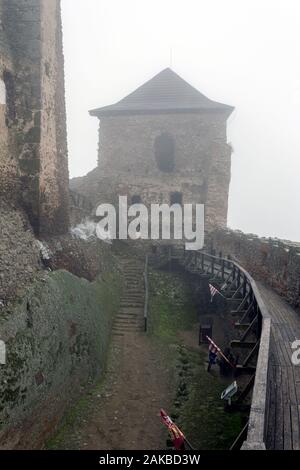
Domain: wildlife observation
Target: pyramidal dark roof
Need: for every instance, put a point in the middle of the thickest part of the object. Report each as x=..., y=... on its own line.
x=166, y=92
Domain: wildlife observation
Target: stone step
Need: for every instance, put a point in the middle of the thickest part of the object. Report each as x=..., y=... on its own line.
x=134, y=287
x=133, y=293
x=126, y=320
x=137, y=297
x=132, y=268
x=129, y=314
x=131, y=304
x=139, y=292
x=130, y=309
x=127, y=328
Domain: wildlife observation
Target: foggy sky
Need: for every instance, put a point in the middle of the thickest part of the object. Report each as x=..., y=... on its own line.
x=243, y=53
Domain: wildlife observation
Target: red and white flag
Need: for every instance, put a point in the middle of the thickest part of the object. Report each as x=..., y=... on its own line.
x=215, y=349
x=214, y=291
x=178, y=437
x=212, y=346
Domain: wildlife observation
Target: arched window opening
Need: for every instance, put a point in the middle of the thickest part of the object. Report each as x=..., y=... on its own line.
x=176, y=198
x=165, y=152
x=136, y=199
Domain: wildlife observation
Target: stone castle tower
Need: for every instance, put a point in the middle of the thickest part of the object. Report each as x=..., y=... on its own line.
x=166, y=143
x=33, y=148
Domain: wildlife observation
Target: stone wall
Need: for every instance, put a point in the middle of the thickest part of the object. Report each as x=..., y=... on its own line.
x=80, y=208
x=202, y=160
x=19, y=252
x=127, y=164
x=273, y=261
x=56, y=343
x=8, y=161
x=33, y=142
x=54, y=177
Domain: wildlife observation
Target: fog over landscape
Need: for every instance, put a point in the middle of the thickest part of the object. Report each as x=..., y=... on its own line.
x=245, y=54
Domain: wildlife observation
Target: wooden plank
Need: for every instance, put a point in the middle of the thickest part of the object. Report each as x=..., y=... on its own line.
x=295, y=427
x=245, y=392
x=241, y=326
x=276, y=400
x=278, y=431
x=251, y=354
x=249, y=329
x=247, y=312
x=295, y=423
x=296, y=371
x=240, y=369
x=236, y=343
x=287, y=425
x=272, y=409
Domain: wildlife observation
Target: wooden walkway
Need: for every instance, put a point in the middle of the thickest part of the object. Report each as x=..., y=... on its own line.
x=274, y=421
x=283, y=429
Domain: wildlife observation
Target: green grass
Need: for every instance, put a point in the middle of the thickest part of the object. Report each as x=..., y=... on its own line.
x=197, y=407
x=166, y=317
x=201, y=411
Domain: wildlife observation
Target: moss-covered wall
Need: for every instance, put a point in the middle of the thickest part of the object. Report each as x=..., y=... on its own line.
x=56, y=338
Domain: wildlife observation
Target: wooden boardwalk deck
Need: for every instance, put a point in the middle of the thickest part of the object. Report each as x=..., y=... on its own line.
x=283, y=429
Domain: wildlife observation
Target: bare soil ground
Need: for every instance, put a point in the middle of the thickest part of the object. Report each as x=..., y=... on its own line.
x=123, y=413
x=164, y=368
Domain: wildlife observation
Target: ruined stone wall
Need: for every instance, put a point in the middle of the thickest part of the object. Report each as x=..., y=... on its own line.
x=34, y=140
x=54, y=180
x=56, y=344
x=8, y=161
x=80, y=208
x=273, y=261
x=19, y=252
x=127, y=163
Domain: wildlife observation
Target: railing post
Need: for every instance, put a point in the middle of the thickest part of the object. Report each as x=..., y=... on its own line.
x=223, y=269
x=245, y=286
x=238, y=281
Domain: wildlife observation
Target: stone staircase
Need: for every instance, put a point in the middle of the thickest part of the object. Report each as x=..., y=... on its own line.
x=130, y=318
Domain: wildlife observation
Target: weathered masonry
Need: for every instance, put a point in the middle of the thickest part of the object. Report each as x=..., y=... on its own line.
x=33, y=149
x=166, y=143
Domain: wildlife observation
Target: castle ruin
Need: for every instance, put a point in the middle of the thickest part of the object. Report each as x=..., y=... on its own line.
x=33, y=145
x=166, y=143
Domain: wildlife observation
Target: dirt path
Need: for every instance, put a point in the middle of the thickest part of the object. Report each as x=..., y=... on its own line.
x=128, y=417
x=123, y=414
x=146, y=372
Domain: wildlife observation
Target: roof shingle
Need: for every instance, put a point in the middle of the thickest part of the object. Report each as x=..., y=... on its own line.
x=166, y=92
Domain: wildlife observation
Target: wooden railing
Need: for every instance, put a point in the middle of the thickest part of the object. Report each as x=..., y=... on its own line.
x=146, y=282
x=239, y=284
